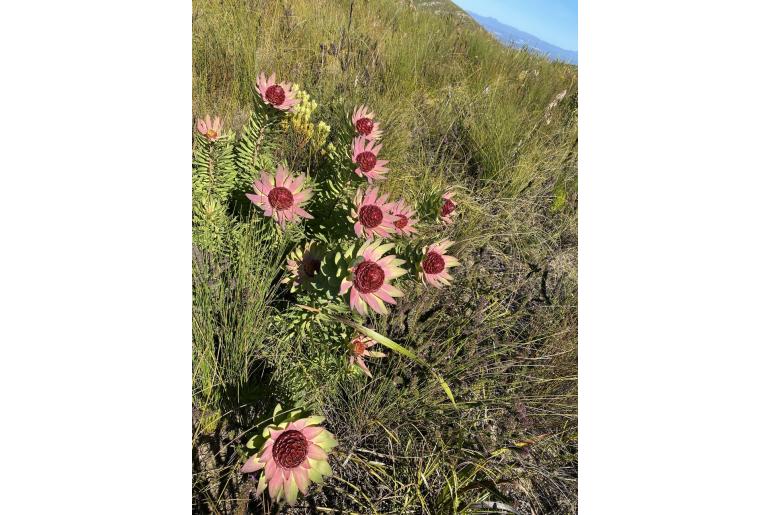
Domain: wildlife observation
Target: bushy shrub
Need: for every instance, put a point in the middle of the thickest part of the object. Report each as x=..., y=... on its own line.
x=349, y=251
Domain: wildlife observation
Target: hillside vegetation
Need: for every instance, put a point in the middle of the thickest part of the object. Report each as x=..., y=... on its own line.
x=460, y=112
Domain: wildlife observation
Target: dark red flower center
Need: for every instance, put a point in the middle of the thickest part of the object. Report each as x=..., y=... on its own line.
x=275, y=95
x=290, y=449
x=401, y=222
x=359, y=346
x=364, y=126
x=368, y=277
x=433, y=263
x=448, y=207
x=366, y=160
x=370, y=215
x=280, y=198
x=311, y=266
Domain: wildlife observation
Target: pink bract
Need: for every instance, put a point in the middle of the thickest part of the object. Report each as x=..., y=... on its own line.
x=364, y=156
x=281, y=95
x=372, y=214
x=211, y=130
x=281, y=196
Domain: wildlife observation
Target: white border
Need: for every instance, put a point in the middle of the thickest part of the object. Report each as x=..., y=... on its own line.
x=673, y=257
x=95, y=368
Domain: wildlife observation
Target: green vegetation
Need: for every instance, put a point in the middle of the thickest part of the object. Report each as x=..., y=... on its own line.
x=459, y=111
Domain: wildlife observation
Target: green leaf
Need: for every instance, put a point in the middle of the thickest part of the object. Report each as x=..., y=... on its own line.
x=326, y=441
x=256, y=441
x=387, y=342
x=444, y=385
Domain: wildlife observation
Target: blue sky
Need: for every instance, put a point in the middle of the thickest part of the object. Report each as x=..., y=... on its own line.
x=553, y=21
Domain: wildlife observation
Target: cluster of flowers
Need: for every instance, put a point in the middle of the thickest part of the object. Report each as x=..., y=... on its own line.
x=300, y=123
x=296, y=454
x=282, y=196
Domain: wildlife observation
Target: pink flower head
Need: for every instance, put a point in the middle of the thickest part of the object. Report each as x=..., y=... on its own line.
x=294, y=454
x=405, y=220
x=366, y=127
x=368, y=279
x=359, y=348
x=435, y=263
x=364, y=155
x=280, y=95
x=372, y=214
x=447, y=210
x=211, y=130
x=282, y=196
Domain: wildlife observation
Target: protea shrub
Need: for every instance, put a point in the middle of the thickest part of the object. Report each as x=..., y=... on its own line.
x=331, y=256
x=347, y=253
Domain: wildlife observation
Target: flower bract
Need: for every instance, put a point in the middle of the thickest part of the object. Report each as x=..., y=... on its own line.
x=359, y=349
x=211, y=130
x=303, y=264
x=404, y=218
x=448, y=207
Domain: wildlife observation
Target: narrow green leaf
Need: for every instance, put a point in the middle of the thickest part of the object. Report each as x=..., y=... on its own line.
x=387, y=342
x=444, y=385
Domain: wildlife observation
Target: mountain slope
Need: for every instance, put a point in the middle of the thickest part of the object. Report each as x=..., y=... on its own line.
x=521, y=39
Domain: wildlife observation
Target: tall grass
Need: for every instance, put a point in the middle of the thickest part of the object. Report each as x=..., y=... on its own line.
x=461, y=111
x=232, y=313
